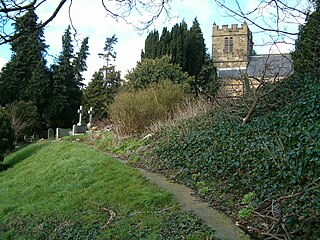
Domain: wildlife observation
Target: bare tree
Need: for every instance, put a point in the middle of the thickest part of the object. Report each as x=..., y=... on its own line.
x=150, y=10
x=24, y=118
x=271, y=15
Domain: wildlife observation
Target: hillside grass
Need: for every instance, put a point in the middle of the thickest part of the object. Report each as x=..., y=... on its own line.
x=67, y=190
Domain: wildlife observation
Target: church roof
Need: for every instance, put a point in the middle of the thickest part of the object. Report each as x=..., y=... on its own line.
x=270, y=65
x=264, y=65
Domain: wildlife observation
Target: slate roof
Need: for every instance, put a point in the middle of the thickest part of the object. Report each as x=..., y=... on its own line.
x=266, y=65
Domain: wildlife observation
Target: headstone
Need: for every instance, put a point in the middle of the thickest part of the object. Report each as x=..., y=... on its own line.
x=50, y=133
x=62, y=132
x=80, y=116
x=78, y=129
x=89, y=125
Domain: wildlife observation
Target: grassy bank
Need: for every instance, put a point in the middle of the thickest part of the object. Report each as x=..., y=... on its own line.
x=65, y=190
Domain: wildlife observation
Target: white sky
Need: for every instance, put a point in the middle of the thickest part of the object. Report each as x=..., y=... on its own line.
x=90, y=19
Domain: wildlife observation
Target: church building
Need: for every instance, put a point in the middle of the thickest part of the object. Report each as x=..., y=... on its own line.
x=233, y=55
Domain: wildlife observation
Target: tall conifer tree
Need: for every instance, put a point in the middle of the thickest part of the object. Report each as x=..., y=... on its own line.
x=187, y=49
x=105, y=83
x=25, y=77
x=67, y=81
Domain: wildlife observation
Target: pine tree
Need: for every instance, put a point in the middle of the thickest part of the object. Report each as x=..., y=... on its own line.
x=66, y=82
x=25, y=77
x=79, y=62
x=95, y=95
x=105, y=83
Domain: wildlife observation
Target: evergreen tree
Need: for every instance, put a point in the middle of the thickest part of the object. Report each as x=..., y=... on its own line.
x=156, y=70
x=187, y=49
x=66, y=82
x=179, y=34
x=105, y=83
x=307, y=49
x=151, y=45
x=25, y=77
x=164, y=43
x=195, y=50
x=6, y=133
x=79, y=62
x=95, y=95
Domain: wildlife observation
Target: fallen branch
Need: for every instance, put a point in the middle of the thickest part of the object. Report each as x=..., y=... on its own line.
x=111, y=217
x=112, y=214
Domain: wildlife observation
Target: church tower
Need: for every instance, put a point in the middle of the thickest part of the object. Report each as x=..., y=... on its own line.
x=231, y=47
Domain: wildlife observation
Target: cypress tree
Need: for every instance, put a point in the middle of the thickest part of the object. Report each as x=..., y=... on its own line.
x=151, y=45
x=195, y=50
x=187, y=49
x=164, y=43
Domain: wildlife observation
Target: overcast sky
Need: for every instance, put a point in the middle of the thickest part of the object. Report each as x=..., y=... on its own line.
x=90, y=19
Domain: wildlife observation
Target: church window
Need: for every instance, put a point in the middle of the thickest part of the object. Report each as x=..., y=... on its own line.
x=228, y=45
x=231, y=44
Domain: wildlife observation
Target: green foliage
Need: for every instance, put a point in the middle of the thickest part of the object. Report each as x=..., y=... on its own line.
x=65, y=90
x=101, y=91
x=248, y=209
x=153, y=71
x=273, y=156
x=26, y=77
x=57, y=91
x=79, y=62
x=77, y=192
x=95, y=95
x=307, y=47
x=187, y=49
x=105, y=83
x=109, y=54
x=6, y=133
x=133, y=112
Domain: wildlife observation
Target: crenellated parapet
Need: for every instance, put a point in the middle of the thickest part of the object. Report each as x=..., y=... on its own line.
x=231, y=46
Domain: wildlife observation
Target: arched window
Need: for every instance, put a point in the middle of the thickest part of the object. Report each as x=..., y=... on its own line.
x=231, y=44
x=226, y=45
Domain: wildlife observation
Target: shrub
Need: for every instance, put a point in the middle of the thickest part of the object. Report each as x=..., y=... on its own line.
x=24, y=118
x=153, y=71
x=6, y=133
x=133, y=112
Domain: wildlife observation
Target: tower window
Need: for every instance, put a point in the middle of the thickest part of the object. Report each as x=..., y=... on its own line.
x=228, y=45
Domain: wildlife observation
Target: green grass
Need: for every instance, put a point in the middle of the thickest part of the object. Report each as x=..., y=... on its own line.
x=67, y=190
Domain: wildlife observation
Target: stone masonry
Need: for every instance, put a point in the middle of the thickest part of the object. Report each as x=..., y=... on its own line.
x=231, y=46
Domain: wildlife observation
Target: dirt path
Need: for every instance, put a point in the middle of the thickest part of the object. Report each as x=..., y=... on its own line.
x=224, y=228
x=221, y=223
